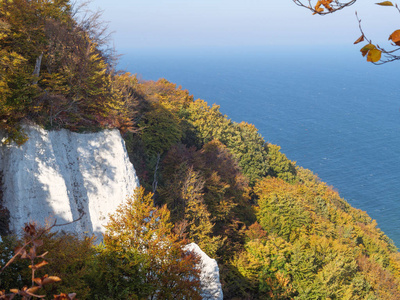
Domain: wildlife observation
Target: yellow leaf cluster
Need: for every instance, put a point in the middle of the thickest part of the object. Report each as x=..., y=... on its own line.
x=373, y=54
x=325, y=3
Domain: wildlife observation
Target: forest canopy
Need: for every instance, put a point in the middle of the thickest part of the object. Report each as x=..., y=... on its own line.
x=54, y=70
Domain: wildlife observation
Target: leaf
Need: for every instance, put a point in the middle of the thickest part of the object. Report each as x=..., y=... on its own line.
x=385, y=3
x=318, y=8
x=63, y=296
x=395, y=37
x=33, y=289
x=38, y=281
x=51, y=279
x=46, y=279
x=25, y=292
x=364, y=50
x=39, y=265
x=326, y=4
x=359, y=40
x=374, y=55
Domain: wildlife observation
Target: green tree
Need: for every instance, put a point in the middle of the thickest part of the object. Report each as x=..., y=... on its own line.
x=280, y=165
x=69, y=258
x=197, y=217
x=281, y=210
x=251, y=151
x=160, y=130
x=242, y=140
x=266, y=263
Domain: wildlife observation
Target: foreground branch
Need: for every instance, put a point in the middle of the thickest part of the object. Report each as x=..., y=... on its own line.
x=329, y=6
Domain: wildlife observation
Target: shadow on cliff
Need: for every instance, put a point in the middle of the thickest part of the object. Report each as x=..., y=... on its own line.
x=29, y=202
x=89, y=173
x=71, y=178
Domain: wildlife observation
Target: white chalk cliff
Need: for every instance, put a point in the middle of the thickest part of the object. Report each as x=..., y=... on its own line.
x=209, y=276
x=61, y=174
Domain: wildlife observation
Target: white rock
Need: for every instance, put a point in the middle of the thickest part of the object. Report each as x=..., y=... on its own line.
x=59, y=174
x=209, y=277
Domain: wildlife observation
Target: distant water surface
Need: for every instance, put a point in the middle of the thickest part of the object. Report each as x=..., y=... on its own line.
x=328, y=109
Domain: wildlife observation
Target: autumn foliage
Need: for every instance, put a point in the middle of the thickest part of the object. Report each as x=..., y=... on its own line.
x=277, y=231
x=139, y=229
x=29, y=251
x=54, y=72
x=373, y=52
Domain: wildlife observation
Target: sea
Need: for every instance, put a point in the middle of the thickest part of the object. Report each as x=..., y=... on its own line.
x=329, y=110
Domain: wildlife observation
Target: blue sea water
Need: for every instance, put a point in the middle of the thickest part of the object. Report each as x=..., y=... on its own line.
x=328, y=109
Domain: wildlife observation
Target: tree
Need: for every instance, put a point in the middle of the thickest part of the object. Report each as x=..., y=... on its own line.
x=28, y=249
x=280, y=165
x=207, y=189
x=54, y=70
x=374, y=53
x=197, y=217
x=140, y=235
x=241, y=139
x=160, y=130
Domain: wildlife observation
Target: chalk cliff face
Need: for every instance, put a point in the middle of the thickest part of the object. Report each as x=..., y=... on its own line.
x=209, y=276
x=60, y=174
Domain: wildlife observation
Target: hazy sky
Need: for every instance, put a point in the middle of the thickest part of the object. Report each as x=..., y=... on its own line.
x=181, y=23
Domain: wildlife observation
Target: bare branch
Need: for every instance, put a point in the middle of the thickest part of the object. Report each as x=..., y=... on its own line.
x=35, y=237
x=155, y=181
x=389, y=56
x=312, y=4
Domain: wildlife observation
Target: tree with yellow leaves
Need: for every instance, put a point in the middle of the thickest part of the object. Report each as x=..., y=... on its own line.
x=143, y=255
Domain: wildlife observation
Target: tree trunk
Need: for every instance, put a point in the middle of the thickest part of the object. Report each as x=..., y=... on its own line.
x=36, y=72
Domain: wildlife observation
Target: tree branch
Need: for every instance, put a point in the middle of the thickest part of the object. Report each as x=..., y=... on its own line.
x=336, y=5
x=35, y=237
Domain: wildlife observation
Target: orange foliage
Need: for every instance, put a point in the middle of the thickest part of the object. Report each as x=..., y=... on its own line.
x=385, y=285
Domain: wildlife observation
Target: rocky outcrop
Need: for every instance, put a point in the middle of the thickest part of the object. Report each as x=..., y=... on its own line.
x=61, y=175
x=209, y=277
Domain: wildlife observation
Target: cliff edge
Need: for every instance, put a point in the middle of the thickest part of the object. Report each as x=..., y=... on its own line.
x=61, y=175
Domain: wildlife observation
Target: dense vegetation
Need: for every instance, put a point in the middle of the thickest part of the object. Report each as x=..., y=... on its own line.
x=277, y=231
x=54, y=71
